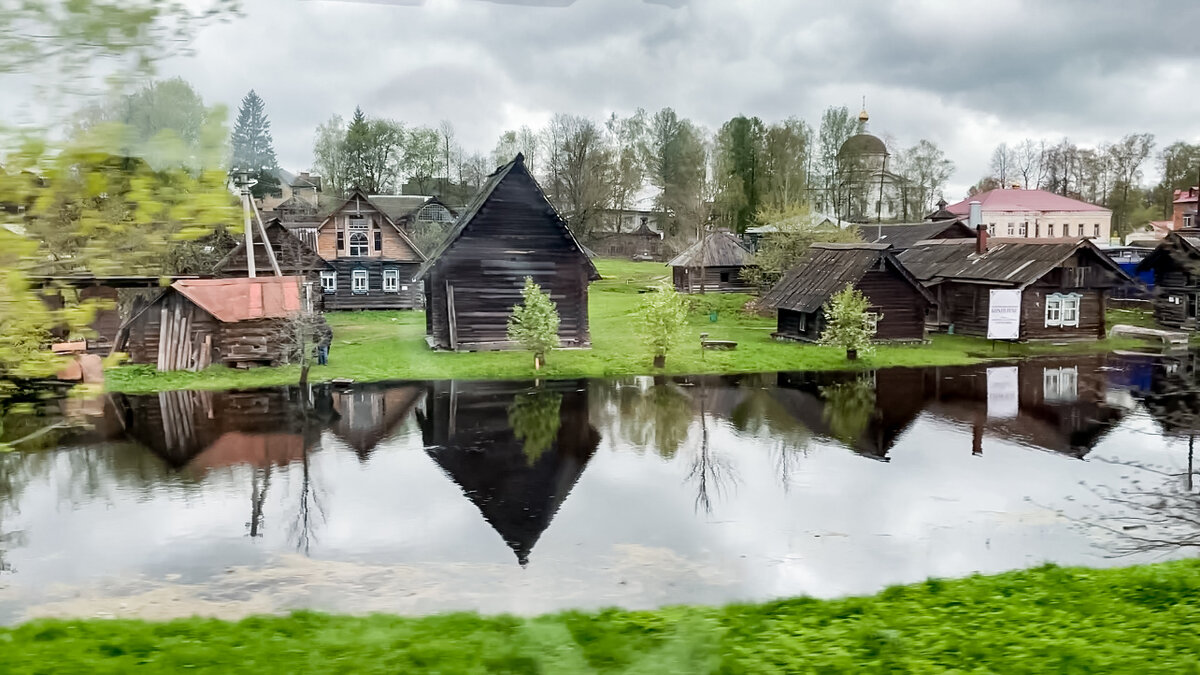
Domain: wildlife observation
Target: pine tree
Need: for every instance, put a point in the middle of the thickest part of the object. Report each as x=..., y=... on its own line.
x=357, y=140
x=253, y=147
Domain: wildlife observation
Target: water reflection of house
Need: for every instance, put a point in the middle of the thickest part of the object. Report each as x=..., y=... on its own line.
x=368, y=414
x=1173, y=396
x=204, y=430
x=1063, y=405
x=473, y=432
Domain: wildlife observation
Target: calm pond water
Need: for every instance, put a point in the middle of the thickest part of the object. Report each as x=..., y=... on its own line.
x=526, y=497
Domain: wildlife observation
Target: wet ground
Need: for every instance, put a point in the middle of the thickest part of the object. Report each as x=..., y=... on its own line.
x=526, y=497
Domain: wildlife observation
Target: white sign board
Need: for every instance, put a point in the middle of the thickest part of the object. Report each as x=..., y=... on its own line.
x=1004, y=315
x=1003, y=392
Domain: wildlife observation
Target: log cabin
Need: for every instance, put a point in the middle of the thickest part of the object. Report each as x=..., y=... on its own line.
x=372, y=257
x=199, y=322
x=715, y=264
x=474, y=278
x=1175, y=266
x=898, y=300
x=641, y=243
x=1064, y=284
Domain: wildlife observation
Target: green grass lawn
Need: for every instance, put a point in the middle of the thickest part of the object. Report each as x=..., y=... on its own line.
x=1043, y=620
x=372, y=346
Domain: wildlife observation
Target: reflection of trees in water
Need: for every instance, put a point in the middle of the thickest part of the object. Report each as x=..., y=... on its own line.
x=760, y=415
x=535, y=419
x=646, y=416
x=849, y=407
x=310, y=510
x=711, y=473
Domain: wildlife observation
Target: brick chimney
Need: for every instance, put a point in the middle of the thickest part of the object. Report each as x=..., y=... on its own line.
x=975, y=222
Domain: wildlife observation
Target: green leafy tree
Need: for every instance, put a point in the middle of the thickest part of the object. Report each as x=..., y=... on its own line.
x=329, y=156
x=741, y=174
x=534, y=323
x=674, y=158
x=422, y=158
x=253, y=147
x=661, y=318
x=848, y=322
x=779, y=251
x=535, y=420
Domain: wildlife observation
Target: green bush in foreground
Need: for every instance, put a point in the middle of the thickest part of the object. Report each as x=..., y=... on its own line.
x=1045, y=620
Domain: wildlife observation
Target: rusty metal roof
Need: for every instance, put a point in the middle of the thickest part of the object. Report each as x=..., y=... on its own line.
x=1009, y=262
x=242, y=299
x=827, y=269
x=718, y=249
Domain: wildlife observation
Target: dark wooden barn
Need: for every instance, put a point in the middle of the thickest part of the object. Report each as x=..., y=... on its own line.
x=642, y=243
x=1064, y=284
x=295, y=258
x=508, y=232
x=1175, y=264
x=715, y=264
x=897, y=298
x=372, y=257
x=199, y=322
x=515, y=452
x=901, y=236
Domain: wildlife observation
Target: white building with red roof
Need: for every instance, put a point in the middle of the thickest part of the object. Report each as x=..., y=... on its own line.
x=1038, y=214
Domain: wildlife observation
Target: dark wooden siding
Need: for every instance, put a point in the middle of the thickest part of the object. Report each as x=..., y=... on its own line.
x=344, y=298
x=144, y=330
x=966, y=307
x=715, y=280
x=515, y=234
x=629, y=245
x=789, y=325
x=1176, y=285
x=890, y=294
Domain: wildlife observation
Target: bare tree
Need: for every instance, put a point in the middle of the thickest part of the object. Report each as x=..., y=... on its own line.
x=1004, y=160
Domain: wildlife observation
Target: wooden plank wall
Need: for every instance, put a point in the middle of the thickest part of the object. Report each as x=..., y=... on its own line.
x=375, y=298
x=688, y=280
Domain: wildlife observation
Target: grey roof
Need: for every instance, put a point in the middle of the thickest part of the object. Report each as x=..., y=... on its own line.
x=862, y=144
x=905, y=235
x=476, y=205
x=827, y=269
x=397, y=207
x=1009, y=262
x=718, y=249
x=1187, y=240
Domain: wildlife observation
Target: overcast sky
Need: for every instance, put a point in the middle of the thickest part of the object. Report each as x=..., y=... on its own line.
x=965, y=75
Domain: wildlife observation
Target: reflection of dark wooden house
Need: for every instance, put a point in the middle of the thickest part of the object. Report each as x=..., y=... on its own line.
x=368, y=414
x=295, y=257
x=642, y=243
x=509, y=231
x=1060, y=405
x=716, y=263
x=1064, y=284
x=901, y=236
x=1175, y=264
x=204, y=430
x=372, y=257
x=898, y=300
x=199, y=322
x=469, y=430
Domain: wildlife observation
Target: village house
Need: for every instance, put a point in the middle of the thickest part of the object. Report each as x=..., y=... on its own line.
x=901, y=236
x=196, y=323
x=642, y=243
x=474, y=278
x=372, y=257
x=1175, y=266
x=1064, y=284
x=715, y=264
x=1037, y=214
x=294, y=257
x=898, y=301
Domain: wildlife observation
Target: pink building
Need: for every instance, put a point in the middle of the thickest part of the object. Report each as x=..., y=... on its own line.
x=1037, y=214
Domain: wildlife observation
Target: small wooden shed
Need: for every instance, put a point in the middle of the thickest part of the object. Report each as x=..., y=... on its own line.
x=1175, y=264
x=896, y=296
x=642, y=243
x=715, y=264
x=198, y=322
x=508, y=232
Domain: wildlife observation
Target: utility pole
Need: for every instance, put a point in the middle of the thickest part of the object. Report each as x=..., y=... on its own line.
x=244, y=183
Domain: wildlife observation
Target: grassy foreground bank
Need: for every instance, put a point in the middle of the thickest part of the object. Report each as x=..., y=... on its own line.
x=1044, y=620
x=373, y=346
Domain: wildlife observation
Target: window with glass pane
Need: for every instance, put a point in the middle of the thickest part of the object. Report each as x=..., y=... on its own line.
x=329, y=282
x=358, y=244
x=391, y=280
x=1054, y=310
x=359, y=281
x=1096, y=230
x=1070, y=310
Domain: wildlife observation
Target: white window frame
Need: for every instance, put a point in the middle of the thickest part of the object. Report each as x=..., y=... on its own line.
x=1062, y=310
x=1096, y=230
x=1011, y=229
x=329, y=282
x=391, y=281
x=366, y=244
x=1049, y=229
x=1060, y=384
x=360, y=281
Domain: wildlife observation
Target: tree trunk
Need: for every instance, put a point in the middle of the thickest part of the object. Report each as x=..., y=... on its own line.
x=851, y=354
x=538, y=360
x=304, y=373
x=660, y=360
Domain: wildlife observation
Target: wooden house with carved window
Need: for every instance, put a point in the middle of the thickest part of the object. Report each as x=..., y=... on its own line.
x=474, y=278
x=373, y=258
x=1064, y=284
x=294, y=257
x=1175, y=264
x=898, y=300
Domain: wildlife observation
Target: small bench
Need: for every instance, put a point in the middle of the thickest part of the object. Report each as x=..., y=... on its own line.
x=718, y=344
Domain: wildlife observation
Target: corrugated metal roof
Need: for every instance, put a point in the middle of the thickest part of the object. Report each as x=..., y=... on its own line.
x=1011, y=262
x=242, y=299
x=1022, y=200
x=905, y=235
x=827, y=269
x=718, y=249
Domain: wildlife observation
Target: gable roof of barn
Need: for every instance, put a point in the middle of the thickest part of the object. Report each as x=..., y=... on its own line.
x=828, y=268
